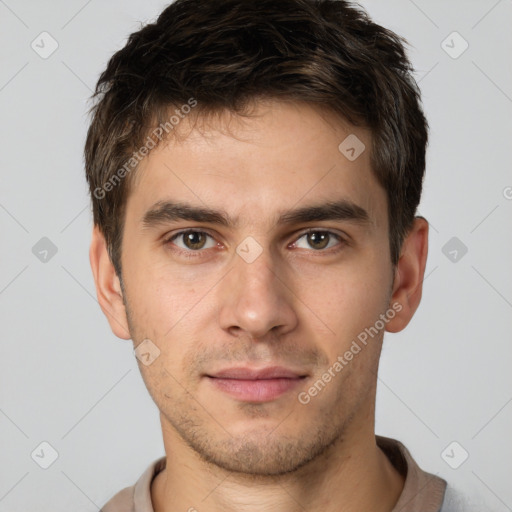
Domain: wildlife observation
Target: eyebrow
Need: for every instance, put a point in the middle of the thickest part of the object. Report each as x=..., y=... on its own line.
x=164, y=212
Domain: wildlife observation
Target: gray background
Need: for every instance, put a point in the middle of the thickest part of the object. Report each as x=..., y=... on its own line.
x=66, y=380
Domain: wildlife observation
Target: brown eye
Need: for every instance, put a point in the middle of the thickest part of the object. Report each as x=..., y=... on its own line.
x=191, y=240
x=319, y=240
x=194, y=240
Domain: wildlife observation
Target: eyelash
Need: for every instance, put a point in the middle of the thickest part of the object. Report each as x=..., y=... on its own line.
x=198, y=253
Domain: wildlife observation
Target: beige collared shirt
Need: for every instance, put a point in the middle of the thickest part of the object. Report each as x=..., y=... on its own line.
x=423, y=492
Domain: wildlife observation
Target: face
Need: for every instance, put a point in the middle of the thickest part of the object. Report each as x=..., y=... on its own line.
x=250, y=302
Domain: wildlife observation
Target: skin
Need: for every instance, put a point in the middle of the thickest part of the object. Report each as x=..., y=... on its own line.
x=298, y=305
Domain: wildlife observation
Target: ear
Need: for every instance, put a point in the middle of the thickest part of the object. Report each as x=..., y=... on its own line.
x=409, y=275
x=108, y=287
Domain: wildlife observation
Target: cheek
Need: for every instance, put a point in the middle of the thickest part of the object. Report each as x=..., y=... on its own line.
x=159, y=293
x=171, y=307
x=346, y=298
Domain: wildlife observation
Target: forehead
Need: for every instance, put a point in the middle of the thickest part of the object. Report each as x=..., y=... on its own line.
x=283, y=154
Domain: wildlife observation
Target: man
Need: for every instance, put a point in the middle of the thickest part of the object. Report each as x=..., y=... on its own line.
x=255, y=169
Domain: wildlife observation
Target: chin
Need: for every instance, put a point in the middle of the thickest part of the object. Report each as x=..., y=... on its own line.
x=263, y=454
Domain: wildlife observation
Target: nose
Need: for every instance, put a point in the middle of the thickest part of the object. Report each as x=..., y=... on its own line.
x=256, y=298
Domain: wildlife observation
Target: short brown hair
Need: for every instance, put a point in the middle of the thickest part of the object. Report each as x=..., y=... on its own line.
x=224, y=55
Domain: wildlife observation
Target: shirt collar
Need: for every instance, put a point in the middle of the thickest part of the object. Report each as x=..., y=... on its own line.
x=422, y=491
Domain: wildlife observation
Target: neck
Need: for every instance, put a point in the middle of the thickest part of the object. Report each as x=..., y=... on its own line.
x=352, y=475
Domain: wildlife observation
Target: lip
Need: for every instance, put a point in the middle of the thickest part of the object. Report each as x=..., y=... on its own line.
x=245, y=373
x=256, y=385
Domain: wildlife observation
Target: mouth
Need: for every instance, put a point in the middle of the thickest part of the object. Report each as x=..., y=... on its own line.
x=256, y=385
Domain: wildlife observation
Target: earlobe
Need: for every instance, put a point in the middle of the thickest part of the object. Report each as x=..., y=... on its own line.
x=409, y=275
x=108, y=287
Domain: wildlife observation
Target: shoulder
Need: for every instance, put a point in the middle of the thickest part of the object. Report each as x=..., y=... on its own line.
x=120, y=502
x=137, y=497
x=422, y=491
x=455, y=501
